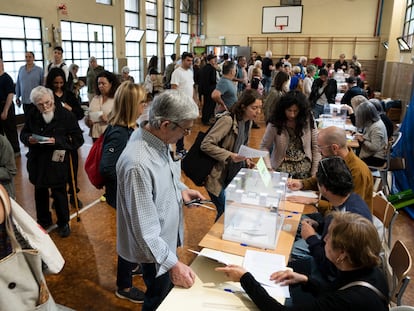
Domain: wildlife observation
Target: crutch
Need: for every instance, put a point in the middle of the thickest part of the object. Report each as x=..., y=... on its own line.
x=75, y=194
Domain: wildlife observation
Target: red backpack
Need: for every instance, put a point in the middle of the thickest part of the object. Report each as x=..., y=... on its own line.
x=92, y=163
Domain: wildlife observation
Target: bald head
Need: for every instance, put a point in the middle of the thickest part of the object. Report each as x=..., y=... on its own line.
x=332, y=135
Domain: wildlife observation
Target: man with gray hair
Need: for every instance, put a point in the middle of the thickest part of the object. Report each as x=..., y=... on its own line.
x=93, y=71
x=51, y=132
x=150, y=196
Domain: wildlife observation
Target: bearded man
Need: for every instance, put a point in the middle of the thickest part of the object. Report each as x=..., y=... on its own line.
x=50, y=132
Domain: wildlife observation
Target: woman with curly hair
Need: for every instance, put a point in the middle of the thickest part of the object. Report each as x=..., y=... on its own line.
x=291, y=136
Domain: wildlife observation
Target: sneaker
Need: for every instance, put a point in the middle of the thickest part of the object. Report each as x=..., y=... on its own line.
x=181, y=154
x=137, y=270
x=64, y=231
x=134, y=295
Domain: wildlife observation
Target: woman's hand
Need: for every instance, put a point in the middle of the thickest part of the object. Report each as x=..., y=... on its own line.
x=288, y=277
x=237, y=158
x=295, y=184
x=233, y=272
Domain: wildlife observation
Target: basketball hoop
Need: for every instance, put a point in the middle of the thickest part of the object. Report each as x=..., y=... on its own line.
x=281, y=22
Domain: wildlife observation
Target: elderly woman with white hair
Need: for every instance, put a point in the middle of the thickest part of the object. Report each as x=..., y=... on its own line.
x=257, y=64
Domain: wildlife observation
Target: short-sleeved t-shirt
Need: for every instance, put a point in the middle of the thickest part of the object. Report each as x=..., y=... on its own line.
x=228, y=91
x=6, y=86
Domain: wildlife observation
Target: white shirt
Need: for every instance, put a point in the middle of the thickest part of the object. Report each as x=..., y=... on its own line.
x=184, y=80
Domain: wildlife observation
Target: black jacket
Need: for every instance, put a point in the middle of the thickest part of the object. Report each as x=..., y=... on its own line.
x=43, y=172
x=330, y=91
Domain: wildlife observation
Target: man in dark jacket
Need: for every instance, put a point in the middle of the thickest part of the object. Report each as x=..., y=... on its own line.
x=353, y=90
x=50, y=132
x=207, y=84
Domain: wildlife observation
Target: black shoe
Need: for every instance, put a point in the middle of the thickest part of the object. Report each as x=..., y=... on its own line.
x=137, y=270
x=64, y=231
x=134, y=295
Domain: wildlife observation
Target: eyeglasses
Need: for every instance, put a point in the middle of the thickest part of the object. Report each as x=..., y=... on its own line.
x=45, y=104
x=186, y=131
x=325, y=160
x=323, y=147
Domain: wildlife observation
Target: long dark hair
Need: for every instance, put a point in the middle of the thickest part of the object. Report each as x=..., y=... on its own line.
x=111, y=79
x=279, y=119
x=247, y=98
x=52, y=74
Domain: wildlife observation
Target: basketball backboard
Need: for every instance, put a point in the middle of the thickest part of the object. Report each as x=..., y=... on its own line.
x=280, y=19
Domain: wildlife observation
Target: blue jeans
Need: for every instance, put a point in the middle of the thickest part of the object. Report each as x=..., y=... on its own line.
x=317, y=110
x=219, y=202
x=267, y=83
x=157, y=287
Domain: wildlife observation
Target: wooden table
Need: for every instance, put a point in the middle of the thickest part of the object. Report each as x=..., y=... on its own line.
x=292, y=212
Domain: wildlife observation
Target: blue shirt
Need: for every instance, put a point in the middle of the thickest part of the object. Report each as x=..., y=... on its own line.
x=149, y=202
x=27, y=81
x=228, y=91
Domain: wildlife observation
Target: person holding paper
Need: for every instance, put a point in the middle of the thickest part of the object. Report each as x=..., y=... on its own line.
x=48, y=160
x=292, y=134
x=223, y=142
x=353, y=246
x=101, y=105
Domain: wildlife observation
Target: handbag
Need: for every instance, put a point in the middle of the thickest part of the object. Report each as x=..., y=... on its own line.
x=37, y=238
x=197, y=165
x=92, y=163
x=22, y=284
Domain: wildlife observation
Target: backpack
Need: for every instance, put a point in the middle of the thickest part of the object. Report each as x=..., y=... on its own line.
x=92, y=163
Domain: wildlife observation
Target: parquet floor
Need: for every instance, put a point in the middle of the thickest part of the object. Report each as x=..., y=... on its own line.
x=87, y=281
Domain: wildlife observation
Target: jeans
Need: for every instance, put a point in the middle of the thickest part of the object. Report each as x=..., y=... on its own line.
x=219, y=202
x=267, y=83
x=124, y=273
x=157, y=287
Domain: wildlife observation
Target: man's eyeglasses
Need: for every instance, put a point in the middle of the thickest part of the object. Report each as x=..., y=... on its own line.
x=323, y=147
x=45, y=104
x=186, y=131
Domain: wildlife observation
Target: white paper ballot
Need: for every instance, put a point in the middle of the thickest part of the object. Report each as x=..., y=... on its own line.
x=95, y=116
x=251, y=153
x=269, y=263
x=302, y=193
x=213, y=254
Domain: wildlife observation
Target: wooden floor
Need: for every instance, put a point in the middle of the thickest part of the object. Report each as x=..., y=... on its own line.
x=87, y=281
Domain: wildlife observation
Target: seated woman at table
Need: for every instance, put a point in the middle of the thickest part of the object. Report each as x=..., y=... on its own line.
x=292, y=134
x=387, y=121
x=353, y=246
x=373, y=139
x=355, y=102
x=223, y=142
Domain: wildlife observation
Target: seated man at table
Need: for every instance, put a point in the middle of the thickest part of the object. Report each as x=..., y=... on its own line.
x=332, y=142
x=335, y=184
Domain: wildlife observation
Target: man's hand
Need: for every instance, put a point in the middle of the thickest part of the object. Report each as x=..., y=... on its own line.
x=295, y=184
x=308, y=228
x=301, y=200
x=182, y=275
x=191, y=194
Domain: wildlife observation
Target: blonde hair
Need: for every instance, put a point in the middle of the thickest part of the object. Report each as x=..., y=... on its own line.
x=127, y=100
x=357, y=100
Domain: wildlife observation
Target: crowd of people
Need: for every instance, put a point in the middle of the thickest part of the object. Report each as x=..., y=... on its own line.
x=141, y=170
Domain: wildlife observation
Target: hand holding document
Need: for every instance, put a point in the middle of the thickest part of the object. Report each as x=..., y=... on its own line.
x=213, y=254
x=251, y=153
x=261, y=265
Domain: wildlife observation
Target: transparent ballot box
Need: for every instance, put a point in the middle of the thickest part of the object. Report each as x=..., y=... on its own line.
x=252, y=225
x=248, y=188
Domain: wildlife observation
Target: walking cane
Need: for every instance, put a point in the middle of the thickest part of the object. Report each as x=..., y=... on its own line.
x=75, y=194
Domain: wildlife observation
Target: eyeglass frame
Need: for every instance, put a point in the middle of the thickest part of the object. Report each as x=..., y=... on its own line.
x=186, y=131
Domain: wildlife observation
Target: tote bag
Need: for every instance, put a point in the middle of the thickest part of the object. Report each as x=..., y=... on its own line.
x=92, y=163
x=22, y=284
x=197, y=165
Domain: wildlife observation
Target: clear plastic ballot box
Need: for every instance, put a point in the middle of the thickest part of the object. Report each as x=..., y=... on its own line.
x=252, y=213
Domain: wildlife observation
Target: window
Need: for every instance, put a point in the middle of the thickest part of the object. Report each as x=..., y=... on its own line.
x=19, y=34
x=185, y=37
x=133, y=36
x=81, y=41
x=107, y=2
x=170, y=36
x=152, y=28
x=406, y=40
